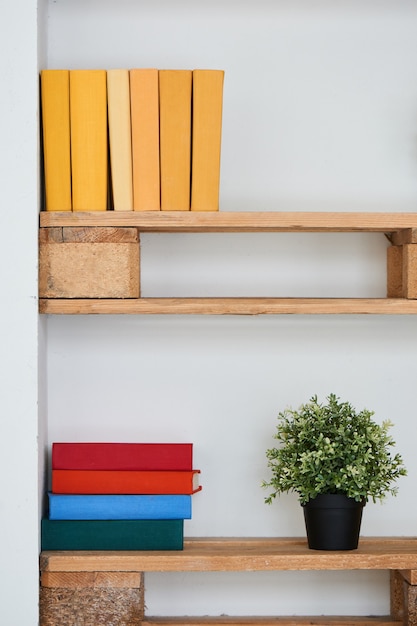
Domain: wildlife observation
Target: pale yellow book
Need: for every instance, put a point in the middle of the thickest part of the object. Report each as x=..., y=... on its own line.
x=89, y=142
x=120, y=138
x=144, y=106
x=206, y=139
x=56, y=139
x=175, y=138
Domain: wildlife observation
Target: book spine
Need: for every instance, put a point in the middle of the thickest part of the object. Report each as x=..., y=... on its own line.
x=112, y=534
x=175, y=138
x=56, y=139
x=89, y=142
x=118, y=104
x=122, y=456
x=206, y=139
x=144, y=102
x=125, y=482
x=90, y=507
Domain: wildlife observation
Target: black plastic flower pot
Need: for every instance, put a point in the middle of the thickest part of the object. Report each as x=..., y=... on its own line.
x=333, y=522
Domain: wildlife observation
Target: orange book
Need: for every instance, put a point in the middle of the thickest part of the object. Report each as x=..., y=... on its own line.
x=126, y=481
x=56, y=139
x=120, y=138
x=144, y=106
x=175, y=138
x=89, y=144
x=206, y=139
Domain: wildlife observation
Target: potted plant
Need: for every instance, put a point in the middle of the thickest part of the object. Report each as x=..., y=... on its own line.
x=335, y=459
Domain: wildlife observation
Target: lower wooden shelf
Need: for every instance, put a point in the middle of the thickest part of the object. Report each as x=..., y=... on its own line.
x=230, y=306
x=67, y=575
x=240, y=554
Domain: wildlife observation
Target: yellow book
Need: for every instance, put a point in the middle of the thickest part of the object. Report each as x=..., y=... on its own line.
x=175, y=138
x=144, y=105
x=120, y=138
x=206, y=142
x=56, y=139
x=89, y=144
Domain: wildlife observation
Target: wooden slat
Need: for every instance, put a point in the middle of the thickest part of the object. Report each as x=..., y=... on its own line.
x=111, y=234
x=410, y=576
x=409, y=259
x=330, y=620
x=216, y=554
x=408, y=235
x=177, y=221
x=395, y=272
x=232, y=306
x=80, y=580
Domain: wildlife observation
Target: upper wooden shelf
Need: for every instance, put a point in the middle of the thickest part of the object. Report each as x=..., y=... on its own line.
x=69, y=285
x=177, y=221
x=240, y=554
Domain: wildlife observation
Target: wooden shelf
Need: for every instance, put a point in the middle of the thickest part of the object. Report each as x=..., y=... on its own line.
x=110, y=250
x=64, y=571
x=230, y=306
x=251, y=554
x=177, y=221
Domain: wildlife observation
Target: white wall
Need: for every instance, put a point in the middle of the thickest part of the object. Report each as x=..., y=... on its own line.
x=320, y=113
x=19, y=314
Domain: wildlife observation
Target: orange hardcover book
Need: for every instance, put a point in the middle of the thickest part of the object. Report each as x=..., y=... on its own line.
x=206, y=139
x=56, y=139
x=144, y=106
x=89, y=143
x=120, y=138
x=125, y=481
x=175, y=138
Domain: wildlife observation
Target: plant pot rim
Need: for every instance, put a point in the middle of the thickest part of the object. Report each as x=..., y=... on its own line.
x=334, y=501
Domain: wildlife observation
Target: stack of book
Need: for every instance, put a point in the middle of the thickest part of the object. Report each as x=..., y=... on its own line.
x=119, y=496
x=161, y=128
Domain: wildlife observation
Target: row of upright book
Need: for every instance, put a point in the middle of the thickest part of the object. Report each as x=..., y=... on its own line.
x=132, y=140
x=119, y=496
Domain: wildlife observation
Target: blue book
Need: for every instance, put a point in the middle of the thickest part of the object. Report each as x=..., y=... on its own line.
x=118, y=507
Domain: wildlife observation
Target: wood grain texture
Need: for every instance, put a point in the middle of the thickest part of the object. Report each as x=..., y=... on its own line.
x=410, y=604
x=89, y=270
x=177, y=221
x=409, y=257
x=110, y=234
x=231, y=306
x=408, y=235
x=252, y=554
x=396, y=595
x=395, y=272
x=90, y=606
x=78, y=580
x=328, y=620
x=410, y=576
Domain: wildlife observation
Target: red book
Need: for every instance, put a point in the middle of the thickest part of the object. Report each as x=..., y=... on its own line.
x=122, y=456
x=125, y=482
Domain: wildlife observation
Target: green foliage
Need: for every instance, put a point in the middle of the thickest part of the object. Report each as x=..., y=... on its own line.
x=331, y=448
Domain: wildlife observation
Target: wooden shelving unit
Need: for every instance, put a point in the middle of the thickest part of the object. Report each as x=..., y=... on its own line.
x=111, y=227
x=398, y=555
x=104, y=248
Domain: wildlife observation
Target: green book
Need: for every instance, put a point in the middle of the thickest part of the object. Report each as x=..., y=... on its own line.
x=112, y=534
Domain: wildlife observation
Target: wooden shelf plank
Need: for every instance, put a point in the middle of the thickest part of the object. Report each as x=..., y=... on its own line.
x=232, y=306
x=240, y=554
x=328, y=620
x=178, y=221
